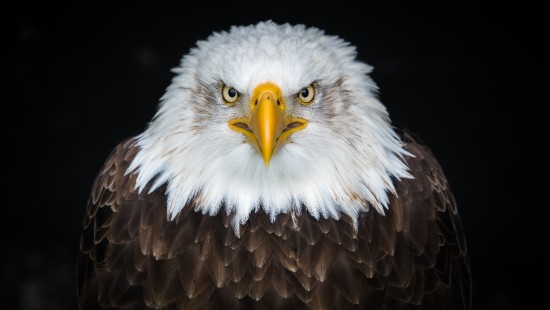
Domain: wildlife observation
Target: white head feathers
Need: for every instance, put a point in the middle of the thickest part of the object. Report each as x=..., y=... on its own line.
x=341, y=163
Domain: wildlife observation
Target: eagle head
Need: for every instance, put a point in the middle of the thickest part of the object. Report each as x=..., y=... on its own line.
x=276, y=117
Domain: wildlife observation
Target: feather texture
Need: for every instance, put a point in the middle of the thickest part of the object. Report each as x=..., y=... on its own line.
x=134, y=257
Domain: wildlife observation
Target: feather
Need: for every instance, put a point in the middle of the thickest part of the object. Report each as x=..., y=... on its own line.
x=202, y=256
x=349, y=214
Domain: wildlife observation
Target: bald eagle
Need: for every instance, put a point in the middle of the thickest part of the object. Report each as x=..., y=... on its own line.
x=271, y=177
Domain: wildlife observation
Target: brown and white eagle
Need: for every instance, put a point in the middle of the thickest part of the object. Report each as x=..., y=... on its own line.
x=271, y=177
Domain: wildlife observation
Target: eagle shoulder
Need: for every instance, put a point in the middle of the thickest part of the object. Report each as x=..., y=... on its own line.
x=109, y=237
x=424, y=212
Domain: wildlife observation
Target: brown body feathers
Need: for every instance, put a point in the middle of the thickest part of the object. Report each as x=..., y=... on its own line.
x=413, y=257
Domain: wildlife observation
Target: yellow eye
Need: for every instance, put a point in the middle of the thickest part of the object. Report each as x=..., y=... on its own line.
x=230, y=95
x=307, y=94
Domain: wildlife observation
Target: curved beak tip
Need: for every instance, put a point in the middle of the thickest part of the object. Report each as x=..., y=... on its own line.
x=267, y=158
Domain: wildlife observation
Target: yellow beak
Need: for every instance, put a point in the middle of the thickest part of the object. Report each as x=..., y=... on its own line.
x=268, y=126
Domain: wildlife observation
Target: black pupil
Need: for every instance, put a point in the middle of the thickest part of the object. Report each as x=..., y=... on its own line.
x=232, y=92
x=304, y=92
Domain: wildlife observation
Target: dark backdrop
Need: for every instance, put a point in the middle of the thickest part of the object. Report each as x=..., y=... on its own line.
x=464, y=77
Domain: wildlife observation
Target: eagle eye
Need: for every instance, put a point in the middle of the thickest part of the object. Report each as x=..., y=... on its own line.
x=230, y=95
x=306, y=95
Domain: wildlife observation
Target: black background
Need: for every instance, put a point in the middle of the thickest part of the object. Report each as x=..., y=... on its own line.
x=467, y=78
